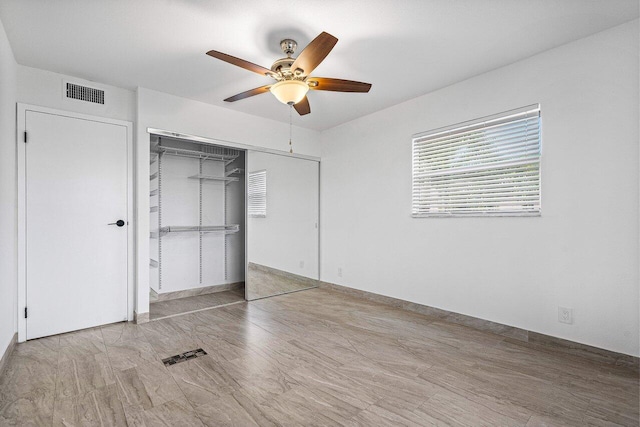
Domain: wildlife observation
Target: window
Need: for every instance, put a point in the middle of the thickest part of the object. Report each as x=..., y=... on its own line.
x=489, y=166
x=258, y=194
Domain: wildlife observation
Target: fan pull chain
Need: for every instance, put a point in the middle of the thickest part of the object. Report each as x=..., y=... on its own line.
x=290, y=130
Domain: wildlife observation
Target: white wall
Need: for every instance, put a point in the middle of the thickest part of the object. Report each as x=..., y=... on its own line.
x=168, y=112
x=582, y=253
x=8, y=206
x=45, y=88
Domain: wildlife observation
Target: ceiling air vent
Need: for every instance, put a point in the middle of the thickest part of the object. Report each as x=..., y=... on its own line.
x=84, y=93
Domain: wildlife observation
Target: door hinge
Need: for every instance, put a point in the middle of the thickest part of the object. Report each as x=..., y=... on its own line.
x=25, y=136
x=25, y=312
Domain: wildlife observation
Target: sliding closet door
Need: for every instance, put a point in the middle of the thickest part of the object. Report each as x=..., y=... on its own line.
x=76, y=223
x=282, y=226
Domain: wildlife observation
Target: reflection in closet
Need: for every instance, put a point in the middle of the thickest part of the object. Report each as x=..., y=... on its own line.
x=197, y=226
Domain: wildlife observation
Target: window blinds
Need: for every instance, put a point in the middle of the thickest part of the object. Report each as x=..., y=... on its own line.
x=489, y=166
x=257, y=194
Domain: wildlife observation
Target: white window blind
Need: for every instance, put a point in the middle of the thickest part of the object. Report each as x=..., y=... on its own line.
x=258, y=194
x=489, y=166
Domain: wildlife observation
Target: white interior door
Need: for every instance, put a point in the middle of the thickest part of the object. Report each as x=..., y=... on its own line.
x=76, y=184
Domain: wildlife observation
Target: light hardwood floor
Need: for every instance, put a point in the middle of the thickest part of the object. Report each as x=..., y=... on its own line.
x=314, y=357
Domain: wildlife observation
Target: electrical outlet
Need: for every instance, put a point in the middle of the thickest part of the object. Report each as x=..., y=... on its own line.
x=339, y=271
x=301, y=264
x=565, y=315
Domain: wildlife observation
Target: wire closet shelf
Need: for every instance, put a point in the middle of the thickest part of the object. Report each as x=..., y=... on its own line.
x=226, y=229
x=220, y=154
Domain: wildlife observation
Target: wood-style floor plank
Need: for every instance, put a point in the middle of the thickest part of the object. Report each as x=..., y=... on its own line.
x=314, y=357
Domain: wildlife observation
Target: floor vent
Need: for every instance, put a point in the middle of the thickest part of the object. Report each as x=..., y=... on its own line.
x=187, y=355
x=85, y=93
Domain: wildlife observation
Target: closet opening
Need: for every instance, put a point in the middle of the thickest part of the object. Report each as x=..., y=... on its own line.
x=197, y=223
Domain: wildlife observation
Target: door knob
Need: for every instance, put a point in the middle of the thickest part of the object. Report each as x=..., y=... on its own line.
x=119, y=223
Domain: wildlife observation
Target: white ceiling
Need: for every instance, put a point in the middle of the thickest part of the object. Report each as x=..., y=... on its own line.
x=405, y=48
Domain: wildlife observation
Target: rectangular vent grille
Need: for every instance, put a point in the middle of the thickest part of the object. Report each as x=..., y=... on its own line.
x=84, y=93
x=187, y=355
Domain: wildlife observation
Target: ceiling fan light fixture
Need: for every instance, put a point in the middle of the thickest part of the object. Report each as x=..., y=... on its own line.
x=292, y=75
x=289, y=91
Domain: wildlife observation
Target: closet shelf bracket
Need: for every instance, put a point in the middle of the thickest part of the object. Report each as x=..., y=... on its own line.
x=232, y=171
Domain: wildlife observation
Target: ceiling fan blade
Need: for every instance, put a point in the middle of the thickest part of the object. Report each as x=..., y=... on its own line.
x=303, y=107
x=240, y=63
x=247, y=94
x=337, y=85
x=312, y=55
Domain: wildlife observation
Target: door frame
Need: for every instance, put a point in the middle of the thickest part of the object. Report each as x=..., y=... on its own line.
x=22, y=200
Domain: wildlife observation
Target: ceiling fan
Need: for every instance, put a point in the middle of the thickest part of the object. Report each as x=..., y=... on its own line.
x=292, y=74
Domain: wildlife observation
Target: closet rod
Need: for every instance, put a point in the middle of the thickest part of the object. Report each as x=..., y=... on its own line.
x=230, y=228
x=214, y=178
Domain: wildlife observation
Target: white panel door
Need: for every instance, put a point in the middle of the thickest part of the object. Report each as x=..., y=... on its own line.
x=76, y=184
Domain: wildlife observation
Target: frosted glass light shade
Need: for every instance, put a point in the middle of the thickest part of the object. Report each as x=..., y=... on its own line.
x=289, y=91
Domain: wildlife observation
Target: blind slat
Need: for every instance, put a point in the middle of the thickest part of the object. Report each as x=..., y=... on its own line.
x=518, y=172
x=475, y=181
x=478, y=137
x=489, y=131
x=479, y=168
x=482, y=146
x=437, y=195
x=514, y=152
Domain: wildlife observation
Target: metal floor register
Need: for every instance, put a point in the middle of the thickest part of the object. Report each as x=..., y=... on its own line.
x=187, y=355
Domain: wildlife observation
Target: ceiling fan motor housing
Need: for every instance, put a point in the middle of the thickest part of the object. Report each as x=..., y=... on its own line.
x=283, y=66
x=288, y=46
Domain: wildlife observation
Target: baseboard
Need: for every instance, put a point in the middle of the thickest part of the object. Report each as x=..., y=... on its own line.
x=268, y=282
x=306, y=281
x=139, y=318
x=597, y=354
x=156, y=297
x=538, y=340
x=7, y=353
